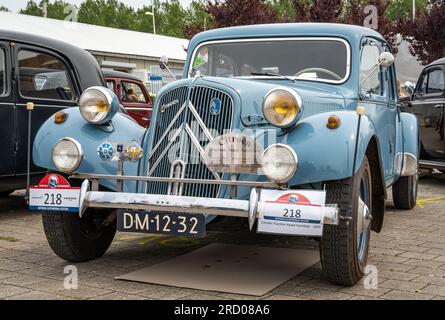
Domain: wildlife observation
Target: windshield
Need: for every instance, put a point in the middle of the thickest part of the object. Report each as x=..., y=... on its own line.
x=317, y=59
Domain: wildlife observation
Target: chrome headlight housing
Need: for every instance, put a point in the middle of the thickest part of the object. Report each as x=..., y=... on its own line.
x=67, y=154
x=279, y=163
x=281, y=107
x=98, y=105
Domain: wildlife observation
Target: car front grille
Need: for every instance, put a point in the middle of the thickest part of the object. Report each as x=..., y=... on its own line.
x=182, y=131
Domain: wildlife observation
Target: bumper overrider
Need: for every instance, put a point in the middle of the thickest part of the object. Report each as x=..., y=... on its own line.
x=250, y=209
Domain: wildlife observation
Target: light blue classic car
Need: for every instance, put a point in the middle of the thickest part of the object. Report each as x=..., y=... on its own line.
x=295, y=127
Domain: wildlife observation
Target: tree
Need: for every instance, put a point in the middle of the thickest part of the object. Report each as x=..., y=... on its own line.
x=32, y=9
x=55, y=10
x=318, y=11
x=426, y=34
x=107, y=13
x=398, y=9
x=285, y=9
x=241, y=12
x=196, y=19
x=4, y=9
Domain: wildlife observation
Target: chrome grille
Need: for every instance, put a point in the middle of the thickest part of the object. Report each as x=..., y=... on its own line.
x=182, y=132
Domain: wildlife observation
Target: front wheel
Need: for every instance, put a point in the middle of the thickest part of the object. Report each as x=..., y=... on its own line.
x=78, y=239
x=344, y=247
x=404, y=192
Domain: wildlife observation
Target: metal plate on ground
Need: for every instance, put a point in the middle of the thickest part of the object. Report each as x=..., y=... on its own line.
x=238, y=269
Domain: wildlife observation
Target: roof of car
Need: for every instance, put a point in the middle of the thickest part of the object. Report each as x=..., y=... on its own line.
x=287, y=29
x=119, y=74
x=84, y=64
x=439, y=61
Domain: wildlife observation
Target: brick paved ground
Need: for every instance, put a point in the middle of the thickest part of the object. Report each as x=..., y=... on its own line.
x=409, y=255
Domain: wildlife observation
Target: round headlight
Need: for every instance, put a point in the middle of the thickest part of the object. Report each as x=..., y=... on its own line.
x=279, y=163
x=98, y=104
x=281, y=107
x=67, y=155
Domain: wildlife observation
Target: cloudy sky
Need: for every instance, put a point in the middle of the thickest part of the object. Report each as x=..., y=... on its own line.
x=16, y=5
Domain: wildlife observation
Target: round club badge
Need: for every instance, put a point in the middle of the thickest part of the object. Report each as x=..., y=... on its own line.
x=53, y=182
x=105, y=151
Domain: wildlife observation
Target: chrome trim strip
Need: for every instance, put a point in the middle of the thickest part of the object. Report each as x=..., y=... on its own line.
x=345, y=42
x=200, y=150
x=167, y=148
x=167, y=130
x=264, y=184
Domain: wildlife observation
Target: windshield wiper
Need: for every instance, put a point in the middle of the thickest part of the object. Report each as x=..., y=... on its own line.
x=268, y=74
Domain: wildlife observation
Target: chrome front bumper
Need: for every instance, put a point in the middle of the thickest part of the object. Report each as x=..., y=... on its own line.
x=191, y=205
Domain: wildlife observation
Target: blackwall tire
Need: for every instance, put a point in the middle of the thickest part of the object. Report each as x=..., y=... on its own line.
x=78, y=239
x=404, y=192
x=344, y=248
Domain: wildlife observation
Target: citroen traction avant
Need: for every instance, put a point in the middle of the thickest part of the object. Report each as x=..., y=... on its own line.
x=294, y=127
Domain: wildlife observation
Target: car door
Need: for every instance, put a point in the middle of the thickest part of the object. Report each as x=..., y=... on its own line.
x=374, y=97
x=7, y=136
x=394, y=127
x=428, y=105
x=136, y=101
x=46, y=79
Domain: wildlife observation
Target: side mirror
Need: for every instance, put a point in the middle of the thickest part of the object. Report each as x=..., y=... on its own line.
x=163, y=64
x=410, y=87
x=386, y=59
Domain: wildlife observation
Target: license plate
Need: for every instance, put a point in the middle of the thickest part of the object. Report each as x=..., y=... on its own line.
x=159, y=222
x=298, y=212
x=41, y=199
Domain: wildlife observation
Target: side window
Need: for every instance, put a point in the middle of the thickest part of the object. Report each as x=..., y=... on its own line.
x=132, y=93
x=423, y=84
x=373, y=83
x=436, y=83
x=43, y=76
x=110, y=85
x=2, y=72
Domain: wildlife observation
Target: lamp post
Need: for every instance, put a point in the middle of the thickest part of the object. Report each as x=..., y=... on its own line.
x=152, y=13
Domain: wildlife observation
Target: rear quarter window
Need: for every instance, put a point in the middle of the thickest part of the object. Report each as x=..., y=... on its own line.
x=44, y=76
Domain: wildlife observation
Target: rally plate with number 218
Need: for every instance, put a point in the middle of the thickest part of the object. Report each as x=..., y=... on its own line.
x=193, y=225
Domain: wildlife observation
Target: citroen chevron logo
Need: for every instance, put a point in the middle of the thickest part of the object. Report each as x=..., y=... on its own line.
x=215, y=106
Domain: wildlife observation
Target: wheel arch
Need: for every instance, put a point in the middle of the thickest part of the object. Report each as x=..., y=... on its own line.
x=379, y=193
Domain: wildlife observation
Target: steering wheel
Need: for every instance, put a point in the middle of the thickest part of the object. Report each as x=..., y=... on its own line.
x=326, y=71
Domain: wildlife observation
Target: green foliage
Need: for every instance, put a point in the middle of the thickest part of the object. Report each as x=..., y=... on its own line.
x=55, y=10
x=107, y=13
x=4, y=9
x=404, y=8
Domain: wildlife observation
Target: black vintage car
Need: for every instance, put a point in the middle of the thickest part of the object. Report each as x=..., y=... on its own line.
x=428, y=104
x=49, y=73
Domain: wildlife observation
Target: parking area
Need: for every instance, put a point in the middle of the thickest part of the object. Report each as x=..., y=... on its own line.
x=409, y=256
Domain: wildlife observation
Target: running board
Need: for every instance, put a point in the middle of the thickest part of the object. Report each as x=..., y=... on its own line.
x=428, y=164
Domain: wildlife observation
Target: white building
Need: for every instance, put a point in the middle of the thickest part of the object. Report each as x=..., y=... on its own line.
x=135, y=52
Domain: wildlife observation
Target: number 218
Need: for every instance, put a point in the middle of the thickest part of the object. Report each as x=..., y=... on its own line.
x=291, y=213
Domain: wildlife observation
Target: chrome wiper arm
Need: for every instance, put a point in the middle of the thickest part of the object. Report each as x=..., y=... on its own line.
x=268, y=74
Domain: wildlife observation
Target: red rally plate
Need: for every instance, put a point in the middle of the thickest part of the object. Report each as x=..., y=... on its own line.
x=54, y=193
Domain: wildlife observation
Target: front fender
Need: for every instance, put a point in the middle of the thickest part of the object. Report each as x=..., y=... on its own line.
x=90, y=137
x=327, y=154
